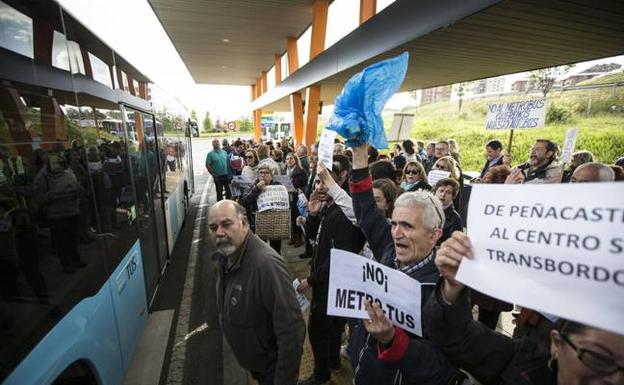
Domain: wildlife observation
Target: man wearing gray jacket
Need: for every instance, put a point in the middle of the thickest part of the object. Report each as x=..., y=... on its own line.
x=258, y=308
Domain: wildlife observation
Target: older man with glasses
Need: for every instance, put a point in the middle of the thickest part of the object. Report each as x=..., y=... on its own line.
x=407, y=243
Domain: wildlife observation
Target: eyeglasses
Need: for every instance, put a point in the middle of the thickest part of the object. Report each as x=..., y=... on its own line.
x=593, y=360
x=435, y=207
x=249, y=157
x=264, y=172
x=412, y=172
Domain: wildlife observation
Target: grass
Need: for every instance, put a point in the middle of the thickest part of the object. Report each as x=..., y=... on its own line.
x=601, y=127
x=611, y=78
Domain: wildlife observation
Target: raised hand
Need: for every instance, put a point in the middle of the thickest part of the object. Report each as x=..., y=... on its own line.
x=314, y=204
x=448, y=259
x=378, y=325
x=324, y=175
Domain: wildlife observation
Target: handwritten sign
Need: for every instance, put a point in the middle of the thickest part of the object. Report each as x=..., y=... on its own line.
x=273, y=197
x=354, y=279
x=568, y=145
x=516, y=115
x=326, y=148
x=434, y=176
x=555, y=248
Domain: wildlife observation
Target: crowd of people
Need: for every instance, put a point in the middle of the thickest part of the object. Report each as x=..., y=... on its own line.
x=383, y=207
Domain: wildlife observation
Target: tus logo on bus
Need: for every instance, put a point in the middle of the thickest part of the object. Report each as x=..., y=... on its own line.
x=126, y=273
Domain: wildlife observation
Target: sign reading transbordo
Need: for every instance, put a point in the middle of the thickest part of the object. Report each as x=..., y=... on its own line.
x=516, y=115
x=555, y=248
x=354, y=279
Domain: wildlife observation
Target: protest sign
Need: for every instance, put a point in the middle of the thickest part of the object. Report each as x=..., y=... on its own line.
x=555, y=248
x=273, y=197
x=354, y=279
x=568, y=145
x=326, y=148
x=301, y=205
x=239, y=184
x=435, y=175
x=285, y=181
x=304, y=303
x=516, y=115
x=401, y=127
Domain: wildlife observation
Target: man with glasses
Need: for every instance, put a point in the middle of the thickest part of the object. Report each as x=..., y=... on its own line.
x=575, y=353
x=408, y=244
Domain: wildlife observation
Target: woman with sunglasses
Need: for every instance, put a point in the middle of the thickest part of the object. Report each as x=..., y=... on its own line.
x=579, y=354
x=414, y=177
x=250, y=171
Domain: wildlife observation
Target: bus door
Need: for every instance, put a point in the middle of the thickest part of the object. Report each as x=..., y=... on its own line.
x=143, y=155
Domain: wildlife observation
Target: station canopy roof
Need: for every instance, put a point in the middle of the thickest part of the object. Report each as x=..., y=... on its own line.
x=449, y=41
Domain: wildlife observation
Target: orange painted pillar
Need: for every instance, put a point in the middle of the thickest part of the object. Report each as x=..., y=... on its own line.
x=296, y=102
x=14, y=111
x=257, y=125
x=52, y=123
x=296, y=106
x=278, y=69
x=317, y=45
x=263, y=80
x=313, y=97
x=368, y=9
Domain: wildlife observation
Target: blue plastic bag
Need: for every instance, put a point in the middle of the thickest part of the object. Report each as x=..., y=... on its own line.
x=357, y=110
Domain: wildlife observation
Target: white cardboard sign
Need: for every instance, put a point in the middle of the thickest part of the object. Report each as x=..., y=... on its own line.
x=555, y=248
x=273, y=197
x=568, y=145
x=516, y=115
x=354, y=279
x=326, y=148
x=435, y=175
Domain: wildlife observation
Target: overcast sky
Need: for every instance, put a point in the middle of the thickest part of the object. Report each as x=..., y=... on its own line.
x=131, y=28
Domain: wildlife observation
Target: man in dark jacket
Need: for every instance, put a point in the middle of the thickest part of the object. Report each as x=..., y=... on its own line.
x=258, y=309
x=408, y=245
x=494, y=152
x=330, y=228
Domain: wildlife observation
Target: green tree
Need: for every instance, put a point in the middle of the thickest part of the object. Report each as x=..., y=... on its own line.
x=461, y=91
x=545, y=78
x=207, y=122
x=245, y=124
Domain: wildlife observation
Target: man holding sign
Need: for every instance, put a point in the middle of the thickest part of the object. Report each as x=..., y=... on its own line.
x=579, y=354
x=407, y=244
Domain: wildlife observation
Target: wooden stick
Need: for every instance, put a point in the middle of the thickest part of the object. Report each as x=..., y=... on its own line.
x=510, y=142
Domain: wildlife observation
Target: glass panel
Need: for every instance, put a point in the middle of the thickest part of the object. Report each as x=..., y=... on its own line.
x=342, y=18
x=284, y=66
x=144, y=154
x=60, y=56
x=303, y=47
x=381, y=4
x=75, y=58
x=16, y=31
x=101, y=72
x=271, y=78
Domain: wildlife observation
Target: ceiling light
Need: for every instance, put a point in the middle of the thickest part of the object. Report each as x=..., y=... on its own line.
x=224, y=67
x=226, y=40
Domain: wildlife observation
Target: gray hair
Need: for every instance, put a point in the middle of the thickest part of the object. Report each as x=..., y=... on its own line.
x=433, y=212
x=582, y=157
x=604, y=172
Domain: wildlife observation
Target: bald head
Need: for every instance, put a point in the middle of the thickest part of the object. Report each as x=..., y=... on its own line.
x=593, y=172
x=228, y=225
